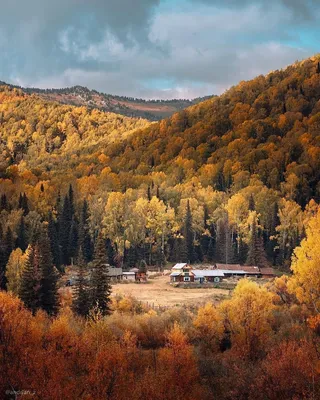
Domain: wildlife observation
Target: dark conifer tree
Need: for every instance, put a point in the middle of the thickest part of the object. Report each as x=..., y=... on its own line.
x=30, y=279
x=271, y=241
x=25, y=204
x=81, y=297
x=71, y=200
x=211, y=251
x=54, y=242
x=64, y=232
x=85, y=241
x=4, y=203
x=21, y=241
x=100, y=286
x=252, y=205
x=189, y=235
x=48, y=283
x=73, y=240
x=149, y=193
x=7, y=249
x=20, y=200
x=111, y=252
x=256, y=252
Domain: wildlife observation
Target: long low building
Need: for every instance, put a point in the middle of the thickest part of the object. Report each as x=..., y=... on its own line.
x=183, y=272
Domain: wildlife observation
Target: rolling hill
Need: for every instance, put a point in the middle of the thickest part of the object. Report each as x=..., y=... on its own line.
x=151, y=110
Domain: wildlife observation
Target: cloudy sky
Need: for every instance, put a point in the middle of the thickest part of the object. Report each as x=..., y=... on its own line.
x=152, y=48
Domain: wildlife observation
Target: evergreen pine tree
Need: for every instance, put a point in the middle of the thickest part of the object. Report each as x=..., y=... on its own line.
x=81, y=298
x=100, y=286
x=111, y=253
x=21, y=241
x=30, y=279
x=252, y=205
x=4, y=203
x=48, y=282
x=85, y=241
x=73, y=240
x=7, y=249
x=20, y=200
x=64, y=231
x=256, y=252
x=25, y=204
x=54, y=242
x=211, y=251
x=149, y=193
x=188, y=235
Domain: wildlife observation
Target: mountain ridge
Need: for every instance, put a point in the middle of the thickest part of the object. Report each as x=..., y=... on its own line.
x=78, y=95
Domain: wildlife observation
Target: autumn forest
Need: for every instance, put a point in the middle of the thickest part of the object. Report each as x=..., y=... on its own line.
x=234, y=179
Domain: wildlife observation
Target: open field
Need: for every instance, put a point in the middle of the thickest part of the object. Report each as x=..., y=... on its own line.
x=159, y=292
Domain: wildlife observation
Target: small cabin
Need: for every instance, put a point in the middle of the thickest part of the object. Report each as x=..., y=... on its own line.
x=114, y=273
x=182, y=273
x=129, y=276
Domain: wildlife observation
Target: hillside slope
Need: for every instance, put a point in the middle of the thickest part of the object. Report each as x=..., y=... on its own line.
x=247, y=161
x=268, y=127
x=152, y=110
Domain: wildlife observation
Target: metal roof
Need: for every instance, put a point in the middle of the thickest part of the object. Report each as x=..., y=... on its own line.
x=175, y=274
x=199, y=273
x=230, y=271
x=179, y=266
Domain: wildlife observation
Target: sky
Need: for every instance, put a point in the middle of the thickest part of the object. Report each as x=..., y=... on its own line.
x=152, y=48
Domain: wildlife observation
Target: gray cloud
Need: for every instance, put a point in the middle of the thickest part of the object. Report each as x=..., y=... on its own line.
x=148, y=48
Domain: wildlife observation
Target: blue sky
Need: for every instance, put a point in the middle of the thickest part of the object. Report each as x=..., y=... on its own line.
x=153, y=48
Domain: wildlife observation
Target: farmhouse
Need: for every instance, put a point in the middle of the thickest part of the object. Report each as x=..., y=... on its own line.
x=182, y=273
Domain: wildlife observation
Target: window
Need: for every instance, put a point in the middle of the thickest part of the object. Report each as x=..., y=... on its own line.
x=187, y=279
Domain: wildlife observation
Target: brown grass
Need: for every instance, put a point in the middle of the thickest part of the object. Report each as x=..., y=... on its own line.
x=159, y=292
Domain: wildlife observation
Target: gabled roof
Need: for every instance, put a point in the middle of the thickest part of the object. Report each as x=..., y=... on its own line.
x=175, y=274
x=179, y=266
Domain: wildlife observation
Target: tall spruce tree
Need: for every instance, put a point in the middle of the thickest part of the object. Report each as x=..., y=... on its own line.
x=23, y=203
x=30, y=279
x=54, y=242
x=64, y=231
x=73, y=240
x=111, y=252
x=100, y=286
x=81, y=297
x=21, y=241
x=7, y=249
x=48, y=283
x=85, y=241
x=189, y=236
x=256, y=252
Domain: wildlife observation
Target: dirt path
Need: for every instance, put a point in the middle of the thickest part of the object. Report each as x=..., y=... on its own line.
x=159, y=292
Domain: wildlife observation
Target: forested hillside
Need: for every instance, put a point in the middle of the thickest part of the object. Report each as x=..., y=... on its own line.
x=152, y=110
x=233, y=179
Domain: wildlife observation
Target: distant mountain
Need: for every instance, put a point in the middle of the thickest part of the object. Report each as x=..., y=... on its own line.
x=153, y=110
